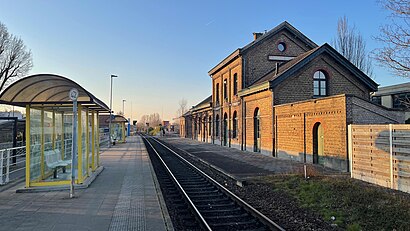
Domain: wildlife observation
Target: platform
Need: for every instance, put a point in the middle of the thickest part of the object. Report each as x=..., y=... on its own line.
x=241, y=165
x=123, y=197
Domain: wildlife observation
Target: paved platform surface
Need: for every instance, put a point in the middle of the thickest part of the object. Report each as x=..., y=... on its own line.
x=123, y=197
x=242, y=164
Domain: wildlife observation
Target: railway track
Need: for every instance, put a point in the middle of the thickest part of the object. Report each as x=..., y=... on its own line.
x=200, y=202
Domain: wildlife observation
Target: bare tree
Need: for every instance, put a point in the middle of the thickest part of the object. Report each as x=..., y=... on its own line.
x=350, y=43
x=15, y=59
x=182, y=107
x=395, y=53
x=151, y=120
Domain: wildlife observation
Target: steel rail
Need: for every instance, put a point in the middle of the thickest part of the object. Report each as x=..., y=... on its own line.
x=265, y=220
x=191, y=204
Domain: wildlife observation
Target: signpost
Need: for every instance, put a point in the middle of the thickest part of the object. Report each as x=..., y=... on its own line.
x=73, y=96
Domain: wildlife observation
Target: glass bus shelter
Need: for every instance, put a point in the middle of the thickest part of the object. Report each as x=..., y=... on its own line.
x=118, y=126
x=49, y=130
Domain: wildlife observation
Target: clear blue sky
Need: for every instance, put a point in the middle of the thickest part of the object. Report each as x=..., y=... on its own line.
x=162, y=50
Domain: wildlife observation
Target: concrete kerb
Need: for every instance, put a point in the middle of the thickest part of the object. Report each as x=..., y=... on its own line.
x=239, y=182
x=85, y=185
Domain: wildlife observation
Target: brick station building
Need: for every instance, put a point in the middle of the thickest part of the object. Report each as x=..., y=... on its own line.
x=284, y=96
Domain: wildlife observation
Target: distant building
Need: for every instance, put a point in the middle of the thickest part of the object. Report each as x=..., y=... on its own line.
x=17, y=114
x=166, y=125
x=394, y=96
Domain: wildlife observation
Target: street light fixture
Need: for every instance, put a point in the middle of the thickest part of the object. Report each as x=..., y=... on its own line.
x=109, y=128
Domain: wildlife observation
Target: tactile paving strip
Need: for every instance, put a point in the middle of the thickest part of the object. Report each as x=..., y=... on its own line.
x=129, y=211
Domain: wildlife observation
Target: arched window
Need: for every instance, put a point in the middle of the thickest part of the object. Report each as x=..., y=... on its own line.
x=210, y=126
x=319, y=84
x=199, y=125
x=217, y=93
x=235, y=84
x=217, y=125
x=225, y=130
x=225, y=89
x=256, y=130
x=234, y=125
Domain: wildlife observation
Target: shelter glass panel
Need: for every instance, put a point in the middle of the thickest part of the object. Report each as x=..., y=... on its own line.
x=96, y=140
x=48, y=141
x=35, y=144
x=58, y=133
x=68, y=135
x=84, y=141
x=90, y=138
x=116, y=131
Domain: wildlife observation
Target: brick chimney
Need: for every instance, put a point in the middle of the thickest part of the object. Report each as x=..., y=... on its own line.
x=256, y=35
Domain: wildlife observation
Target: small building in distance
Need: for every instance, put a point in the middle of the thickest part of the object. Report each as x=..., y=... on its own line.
x=17, y=114
x=394, y=96
x=166, y=125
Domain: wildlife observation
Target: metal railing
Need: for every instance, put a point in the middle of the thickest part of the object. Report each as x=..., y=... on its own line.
x=11, y=169
x=13, y=160
x=10, y=144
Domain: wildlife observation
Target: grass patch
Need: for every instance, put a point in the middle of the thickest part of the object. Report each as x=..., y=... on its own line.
x=349, y=203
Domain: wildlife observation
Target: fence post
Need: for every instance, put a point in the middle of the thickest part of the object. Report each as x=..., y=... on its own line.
x=391, y=155
x=1, y=167
x=8, y=166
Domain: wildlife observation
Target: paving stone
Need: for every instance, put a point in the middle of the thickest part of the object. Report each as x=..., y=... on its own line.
x=120, y=198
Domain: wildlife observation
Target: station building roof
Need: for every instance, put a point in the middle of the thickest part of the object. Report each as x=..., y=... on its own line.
x=46, y=90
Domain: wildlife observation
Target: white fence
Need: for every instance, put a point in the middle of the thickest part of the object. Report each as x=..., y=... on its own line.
x=9, y=169
x=380, y=154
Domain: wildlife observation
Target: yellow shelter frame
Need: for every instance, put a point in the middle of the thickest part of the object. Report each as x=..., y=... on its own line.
x=49, y=129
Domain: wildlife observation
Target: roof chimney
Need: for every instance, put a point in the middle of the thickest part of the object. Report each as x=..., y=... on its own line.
x=256, y=35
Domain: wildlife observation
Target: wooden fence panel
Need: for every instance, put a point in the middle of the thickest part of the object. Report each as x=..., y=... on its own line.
x=380, y=154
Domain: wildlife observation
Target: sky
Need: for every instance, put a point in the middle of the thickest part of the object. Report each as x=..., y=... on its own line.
x=162, y=50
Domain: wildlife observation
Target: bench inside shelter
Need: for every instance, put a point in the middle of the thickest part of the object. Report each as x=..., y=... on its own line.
x=54, y=161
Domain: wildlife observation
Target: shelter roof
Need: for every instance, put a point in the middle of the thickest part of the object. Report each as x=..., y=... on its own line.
x=48, y=89
x=117, y=119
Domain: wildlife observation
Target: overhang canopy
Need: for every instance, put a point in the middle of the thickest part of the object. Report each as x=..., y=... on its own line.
x=48, y=89
x=117, y=119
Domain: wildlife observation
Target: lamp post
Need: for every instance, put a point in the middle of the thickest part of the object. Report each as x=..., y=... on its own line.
x=109, y=128
x=123, y=110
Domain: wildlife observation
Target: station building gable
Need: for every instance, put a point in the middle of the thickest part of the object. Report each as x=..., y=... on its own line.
x=248, y=64
x=318, y=73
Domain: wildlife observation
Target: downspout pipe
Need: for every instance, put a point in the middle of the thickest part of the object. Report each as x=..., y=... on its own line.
x=243, y=132
x=273, y=123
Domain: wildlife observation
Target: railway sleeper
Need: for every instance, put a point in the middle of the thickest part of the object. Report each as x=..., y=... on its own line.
x=212, y=199
x=234, y=210
x=216, y=194
x=230, y=214
x=193, y=181
x=229, y=218
x=222, y=200
x=208, y=205
x=250, y=224
x=195, y=184
x=202, y=192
